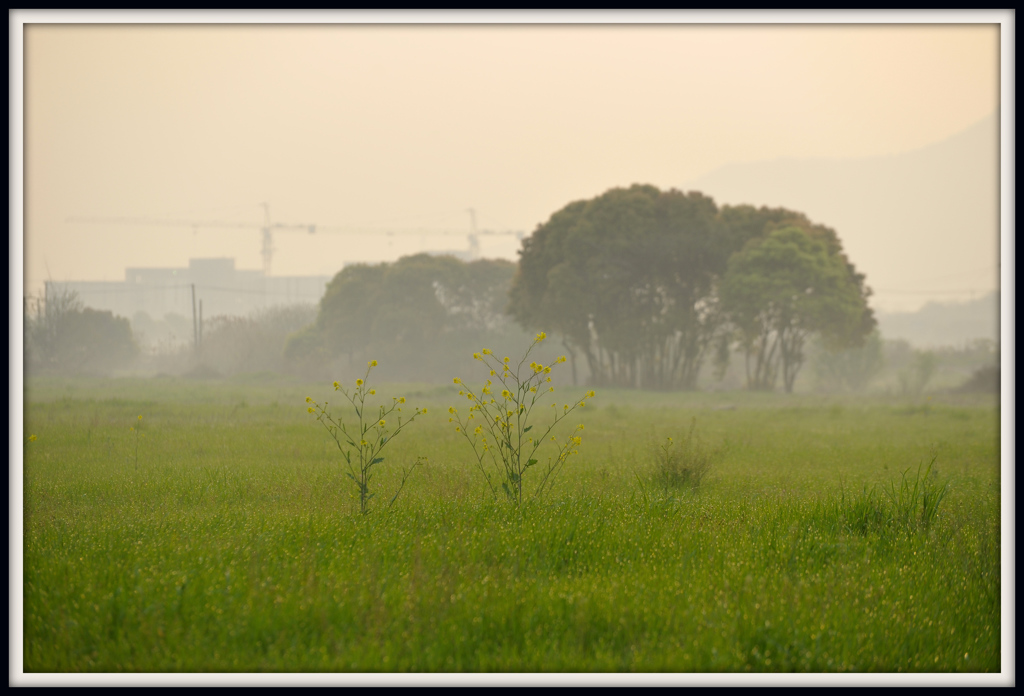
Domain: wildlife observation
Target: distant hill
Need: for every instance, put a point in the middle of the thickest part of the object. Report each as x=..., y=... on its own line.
x=944, y=324
x=924, y=220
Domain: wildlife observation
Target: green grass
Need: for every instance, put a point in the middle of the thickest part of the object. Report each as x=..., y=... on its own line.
x=236, y=544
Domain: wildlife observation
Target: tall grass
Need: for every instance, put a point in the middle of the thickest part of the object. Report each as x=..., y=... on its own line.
x=233, y=547
x=911, y=505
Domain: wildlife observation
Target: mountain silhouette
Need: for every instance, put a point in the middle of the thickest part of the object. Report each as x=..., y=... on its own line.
x=922, y=225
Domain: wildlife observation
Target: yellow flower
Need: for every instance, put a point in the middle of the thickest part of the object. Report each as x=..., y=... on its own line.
x=478, y=429
x=423, y=410
x=131, y=428
x=401, y=399
x=381, y=424
x=486, y=351
x=506, y=360
x=32, y=438
x=456, y=380
x=458, y=429
x=310, y=409
x=451, y=409
x=492, y=373
x=476, y=356
x=551, y=389
x=359, y=382
x=140, y=417
x=582, y=404
x=364, y=443
x=309, y=400
x=590, y=393
x=505, y=393
x=373, y=391
x=581, y=427
x=541, y=336
x=373, y=363
x=547, y=370
x=533, y=389
x=561, y=358
x=336, y=385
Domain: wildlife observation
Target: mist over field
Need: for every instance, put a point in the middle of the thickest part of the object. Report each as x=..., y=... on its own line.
x=470, y=348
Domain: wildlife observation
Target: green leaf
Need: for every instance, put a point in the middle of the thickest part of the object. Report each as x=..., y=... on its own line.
x=527, y=429
x=376, y=460
x=531, y=462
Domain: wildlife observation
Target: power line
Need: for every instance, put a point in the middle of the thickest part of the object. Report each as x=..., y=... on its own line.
x=136, y=288
x=931, y=292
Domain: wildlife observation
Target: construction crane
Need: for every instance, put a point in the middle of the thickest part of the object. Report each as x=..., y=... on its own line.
x=267, y=229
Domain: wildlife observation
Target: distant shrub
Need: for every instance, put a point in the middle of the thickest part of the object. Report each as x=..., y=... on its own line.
x=63, y=337
x=914, y=378
x=684, y=464
x=255, y=343
x=984, y=380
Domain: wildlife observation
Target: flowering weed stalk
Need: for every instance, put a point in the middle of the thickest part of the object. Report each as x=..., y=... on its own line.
x=497, y=425
x=135, y=429
x=361, y=445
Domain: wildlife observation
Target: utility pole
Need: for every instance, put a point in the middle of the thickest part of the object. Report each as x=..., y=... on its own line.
x=268, y=244
x=195, y=325
x=474, y=239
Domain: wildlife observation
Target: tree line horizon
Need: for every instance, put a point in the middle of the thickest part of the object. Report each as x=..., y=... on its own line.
x=640, y=286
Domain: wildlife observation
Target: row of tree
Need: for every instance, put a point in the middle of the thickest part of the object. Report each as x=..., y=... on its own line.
x=63, y=336
x=420, y=317
x=643, y=284
x=640, y=286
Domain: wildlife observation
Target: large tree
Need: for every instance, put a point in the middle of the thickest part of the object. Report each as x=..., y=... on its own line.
x=420, y=316
x=628, y=280
x=782, y=288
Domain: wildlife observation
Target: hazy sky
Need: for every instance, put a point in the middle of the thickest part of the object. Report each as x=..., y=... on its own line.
x=405, y=127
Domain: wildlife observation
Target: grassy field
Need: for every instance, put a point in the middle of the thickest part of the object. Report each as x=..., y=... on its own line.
x=222, y=536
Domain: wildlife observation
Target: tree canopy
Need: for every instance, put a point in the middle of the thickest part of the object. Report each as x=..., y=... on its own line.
x=67, y=338
x=782, y=288
x=417, y=316
x=633, y=279
x=627, y=280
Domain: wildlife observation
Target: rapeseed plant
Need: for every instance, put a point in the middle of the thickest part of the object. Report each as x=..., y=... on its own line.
x=498, y=422
x=362, y=446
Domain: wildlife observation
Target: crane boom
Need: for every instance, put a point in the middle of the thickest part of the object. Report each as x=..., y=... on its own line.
x=268, y=226
x=267, y=250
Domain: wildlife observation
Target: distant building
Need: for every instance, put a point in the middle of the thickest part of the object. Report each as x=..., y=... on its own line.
x=223, y=290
